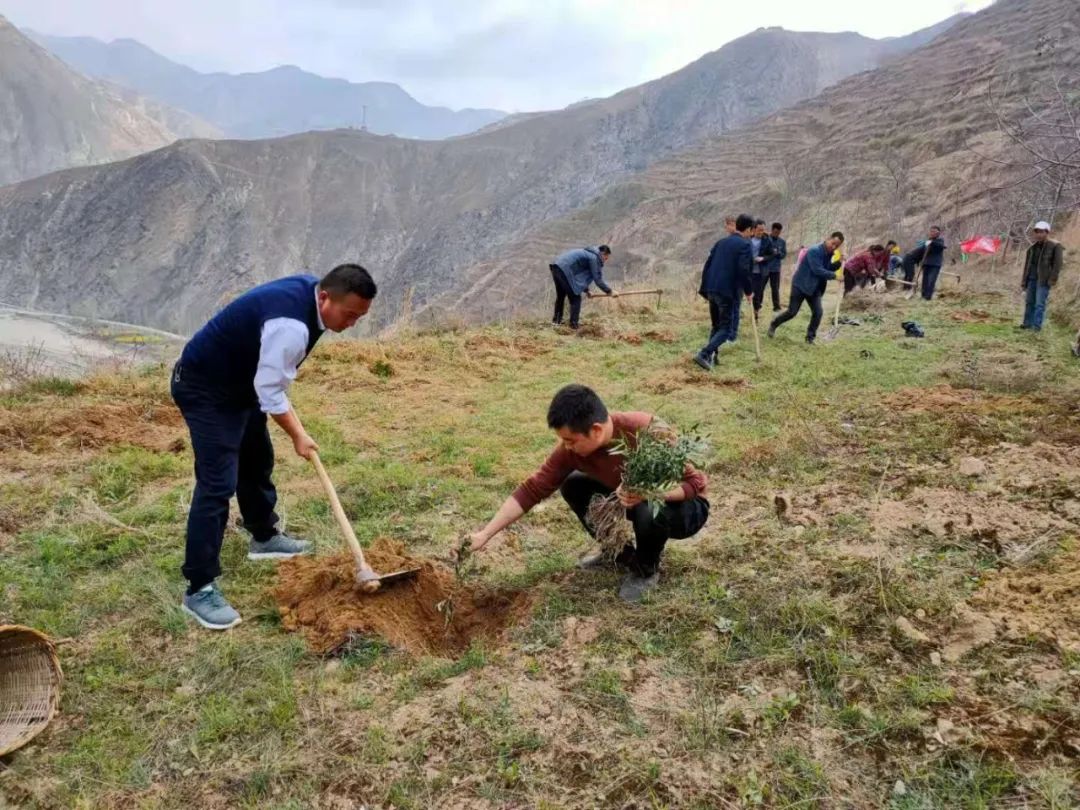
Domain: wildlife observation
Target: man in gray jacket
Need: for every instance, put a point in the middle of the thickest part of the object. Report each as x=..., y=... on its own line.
x=1042, y=267
x=572, y=273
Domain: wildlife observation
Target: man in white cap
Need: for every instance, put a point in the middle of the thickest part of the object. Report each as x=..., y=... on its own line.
x=1042, y=267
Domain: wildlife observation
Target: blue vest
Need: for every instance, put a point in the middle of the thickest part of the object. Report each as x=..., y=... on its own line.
x=224, y=354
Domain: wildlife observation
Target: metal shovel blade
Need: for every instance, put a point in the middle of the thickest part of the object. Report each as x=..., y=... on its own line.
x=396, y=576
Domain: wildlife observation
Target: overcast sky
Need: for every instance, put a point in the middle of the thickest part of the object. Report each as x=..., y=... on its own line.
x=509, y=54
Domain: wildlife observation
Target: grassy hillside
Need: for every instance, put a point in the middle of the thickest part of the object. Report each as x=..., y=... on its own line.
x=934, y=481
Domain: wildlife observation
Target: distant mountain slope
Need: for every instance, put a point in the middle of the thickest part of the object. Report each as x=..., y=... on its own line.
x=272, y=103
x=879, y=155
x=164, y=238
x=53, y=118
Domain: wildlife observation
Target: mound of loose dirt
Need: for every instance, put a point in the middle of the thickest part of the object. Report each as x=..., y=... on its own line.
x=946, y=398
x=152, y=426
x=435, y=613
x=1004, y=526
x=693, y=377
x=1042, y=602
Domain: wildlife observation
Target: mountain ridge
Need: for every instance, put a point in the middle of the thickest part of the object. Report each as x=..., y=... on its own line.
x=52, y=117
x=192, y=224
x=282, y=100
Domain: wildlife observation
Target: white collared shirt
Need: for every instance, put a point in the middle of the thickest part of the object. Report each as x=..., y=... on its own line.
x=282, y=347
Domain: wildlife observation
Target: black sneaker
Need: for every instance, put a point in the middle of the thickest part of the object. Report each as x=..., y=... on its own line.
x=703, y=362
x=636, y=585
x=809, y=341
x=772, y=331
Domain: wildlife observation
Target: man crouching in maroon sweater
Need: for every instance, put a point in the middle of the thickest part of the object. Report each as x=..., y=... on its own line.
x=582, y=465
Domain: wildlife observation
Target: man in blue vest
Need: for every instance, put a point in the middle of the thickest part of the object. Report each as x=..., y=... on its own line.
x=231, y=374
x=819, y=265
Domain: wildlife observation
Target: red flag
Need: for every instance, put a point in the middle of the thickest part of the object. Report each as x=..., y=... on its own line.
x=981, y=244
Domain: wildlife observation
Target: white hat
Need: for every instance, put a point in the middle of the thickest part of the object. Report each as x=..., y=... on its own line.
x=1042, y=226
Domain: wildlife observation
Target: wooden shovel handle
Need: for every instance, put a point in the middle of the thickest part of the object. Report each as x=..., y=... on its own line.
x=757, y=337
x=339, y=513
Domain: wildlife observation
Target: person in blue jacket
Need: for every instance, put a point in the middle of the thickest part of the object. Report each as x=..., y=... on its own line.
x=231, y=375
x=816, y=269
x=725, y=276
x=572, y=273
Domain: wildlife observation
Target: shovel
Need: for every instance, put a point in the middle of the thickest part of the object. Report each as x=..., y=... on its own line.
x=835, y=330
x=757, y=337
x=366, y=578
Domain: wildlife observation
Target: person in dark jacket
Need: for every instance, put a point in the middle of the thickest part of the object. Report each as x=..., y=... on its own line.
x=762, y=245
x=725, y=276
x=933, y=259
x=231, y=375
x=774, y=258
x=1042, y=268
x=816, y=269
x=572, y=273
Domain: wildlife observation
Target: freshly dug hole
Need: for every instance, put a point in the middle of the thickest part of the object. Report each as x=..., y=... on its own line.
x=435, y=613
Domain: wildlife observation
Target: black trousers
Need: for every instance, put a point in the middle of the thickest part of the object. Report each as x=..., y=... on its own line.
x=722, y=309
x=674, y=521
x=909, y=270
x=774, y=285
x=563, y=291
x=233, y=455
x=760, y=282
x=795, y=304
x=929, y=281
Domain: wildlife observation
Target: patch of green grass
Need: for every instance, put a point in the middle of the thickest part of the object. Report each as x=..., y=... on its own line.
x=957, y=780
x=922, y=691
x=433, y=671
x=780, y=710
x=798, y=781
x=123, y=471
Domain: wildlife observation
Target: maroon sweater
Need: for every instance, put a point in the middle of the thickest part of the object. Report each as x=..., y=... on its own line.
x=603, y=465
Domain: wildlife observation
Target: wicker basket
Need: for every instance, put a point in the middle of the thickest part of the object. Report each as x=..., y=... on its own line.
x=30, y=680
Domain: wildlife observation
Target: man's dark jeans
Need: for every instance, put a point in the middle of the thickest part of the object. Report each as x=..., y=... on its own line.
x=929, y=281
x=795, y=304
x=721, y=312
x=1035, y=298
x=674, y=521
x=233, y=455
x=909, y=270
x=563, y=291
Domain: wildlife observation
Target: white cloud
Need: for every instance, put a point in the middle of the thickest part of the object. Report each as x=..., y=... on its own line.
x=511, y=54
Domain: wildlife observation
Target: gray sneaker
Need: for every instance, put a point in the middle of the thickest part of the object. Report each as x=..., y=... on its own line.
x=279, y=547
x=635, y=586
x=210, y=609
x=703, y=361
